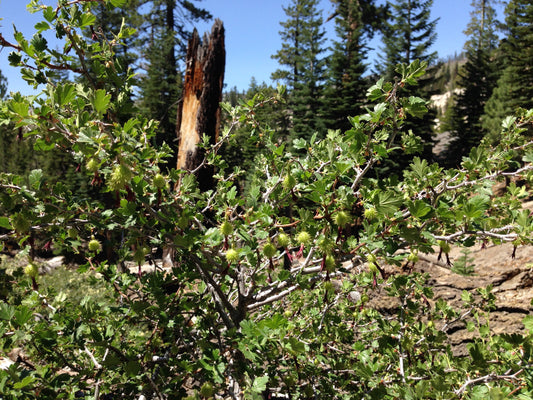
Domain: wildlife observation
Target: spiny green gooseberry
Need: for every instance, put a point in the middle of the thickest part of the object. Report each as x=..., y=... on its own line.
x=207, y=390
x=371, y=213
x=371, y=258
x=289, y=182
x=72, y=233
x=325, y=244
x=120, y=177
x=341, y=219
x=269, y=250
x=283, y=239
x=330, y=263
x=92, y=165
x=303, y=237
x=444, y=246
x=31, y=270
x=140, y=254
x=94, y=245
x=226, y=228
x=159, y=181
x=372, y=267
x=412, y=257
x=232, y=255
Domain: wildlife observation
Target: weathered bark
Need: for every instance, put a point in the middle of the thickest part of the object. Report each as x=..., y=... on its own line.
x=199, y=109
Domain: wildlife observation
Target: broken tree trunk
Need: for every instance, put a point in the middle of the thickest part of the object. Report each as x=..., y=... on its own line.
x=199, y=109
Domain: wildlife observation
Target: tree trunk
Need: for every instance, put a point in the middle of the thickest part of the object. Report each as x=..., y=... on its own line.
x=199, y=109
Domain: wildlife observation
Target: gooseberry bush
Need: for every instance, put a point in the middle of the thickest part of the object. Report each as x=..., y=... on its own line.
x=270, y=291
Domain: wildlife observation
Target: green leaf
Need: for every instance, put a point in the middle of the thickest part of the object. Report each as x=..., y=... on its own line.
x=42, y=26
x=64, y=94
x=130, y=124
x=232, y=193
x=375, y=92
x=299, y=144
x=387, y=202
x=411, y=72
x=523, y=219
x=39, y=43
x=528, y=323
x=295, y=346
x=23, y=43
x=22, y=315
x=132, y=368
x=528, y=157
x=259, y=384
x=14, y=58
x=248, y=328
x=379, y=109
x=101, y=101
x=20, y=108
x=6, y=311
x=419, y=208
x=87, y=20
x=117, y=3
x=475, y=206
x=24, y=382
x=416, y=107
x=508, y=122
x=4, y=223
x=49, y=13
x=420, y=168
x=35, y=178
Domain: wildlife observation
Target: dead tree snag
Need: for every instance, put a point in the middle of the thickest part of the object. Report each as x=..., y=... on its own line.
x=199, y=109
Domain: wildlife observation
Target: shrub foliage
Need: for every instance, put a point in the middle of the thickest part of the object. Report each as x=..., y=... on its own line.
x=270, y=290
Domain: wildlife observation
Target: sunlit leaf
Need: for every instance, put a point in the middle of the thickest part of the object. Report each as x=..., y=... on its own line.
x=101, y=101
x=64, y=94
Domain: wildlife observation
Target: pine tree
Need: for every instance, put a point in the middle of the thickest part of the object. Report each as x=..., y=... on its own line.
x=408, y=36
x=3, y=85
x=303, y=37
x=514, y=88
x=476, y=80
x=355, y=23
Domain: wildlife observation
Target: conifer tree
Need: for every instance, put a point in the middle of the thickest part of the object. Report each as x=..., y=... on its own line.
x=514, y=88
x=303, y=38
x=3, y=85
x=476, y=80
x=408, y=36
x=355, y=23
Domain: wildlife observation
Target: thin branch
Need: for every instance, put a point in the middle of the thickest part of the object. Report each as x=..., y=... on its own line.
x=97, y=365
x=509, y=237
x=488, y=378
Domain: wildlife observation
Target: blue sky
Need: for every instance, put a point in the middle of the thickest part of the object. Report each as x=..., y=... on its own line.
x=252, y=34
